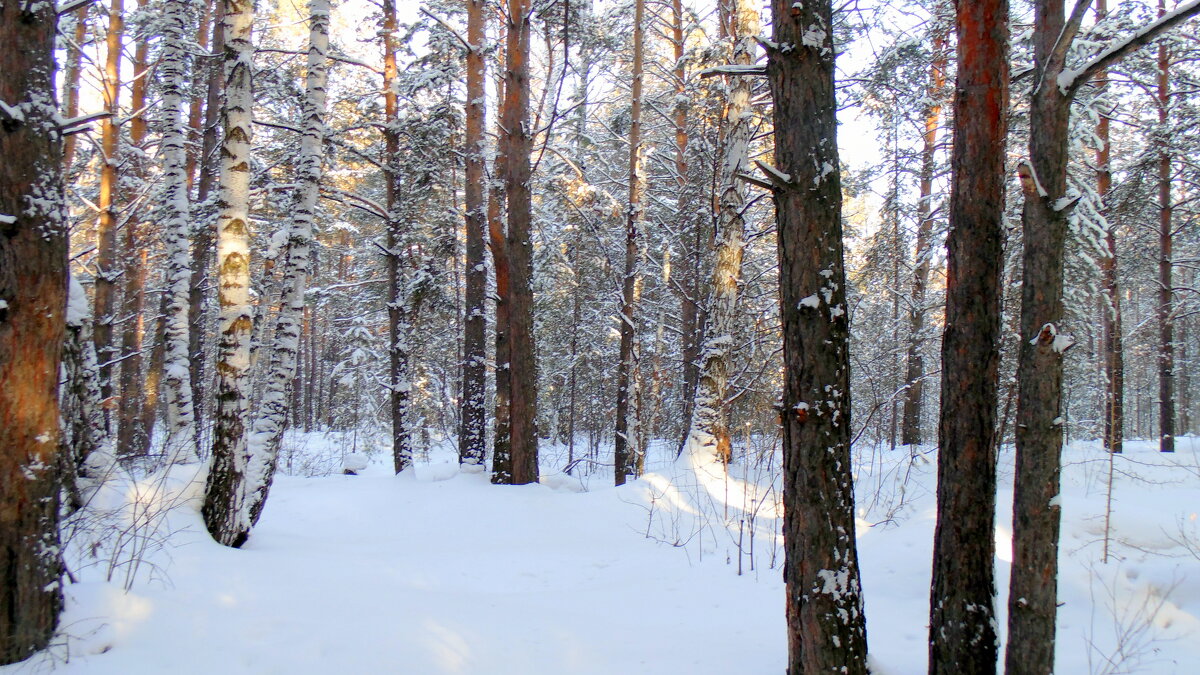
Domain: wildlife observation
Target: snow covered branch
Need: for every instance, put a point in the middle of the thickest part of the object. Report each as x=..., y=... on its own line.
x=1069, y=81
x=734, y=69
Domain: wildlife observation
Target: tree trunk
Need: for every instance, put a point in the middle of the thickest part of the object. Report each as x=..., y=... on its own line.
x=825, y=621
x=914, y=377
x=204, y=231
x=131, y=436
x=625, y=451
x=472, y=437
x=1033, y=588
x=107, y=272
x=1114, y=352
x=962, y=630
x=181, y=423
x=33, y=303
x=285, y=339
x=516, y=146
x=709, y=434
x=689, y=237
x=224, y=510
x=71, y=82
x=1166, y=319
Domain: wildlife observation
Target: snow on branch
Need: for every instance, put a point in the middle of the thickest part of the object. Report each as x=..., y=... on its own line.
x=68, y=7
x=734, y=69
x=1069, y=81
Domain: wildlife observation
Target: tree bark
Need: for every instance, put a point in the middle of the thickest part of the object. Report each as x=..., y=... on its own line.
x=625, y=450
x=914, y=377
x=71, y=82
x=516, y=146
x=1114, y=352
x=207, y=168
x=962, y=630
x=826, y=626
x=33, y=299
x=472, y=436
x=1166, y=319
x=107, y=272
x=224, y=509
x=181, y=422
x=709, y=436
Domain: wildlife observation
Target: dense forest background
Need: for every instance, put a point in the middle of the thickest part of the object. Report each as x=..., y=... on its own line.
x=557, y=233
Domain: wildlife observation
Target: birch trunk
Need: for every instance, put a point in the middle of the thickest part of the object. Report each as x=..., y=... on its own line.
x=177, y=381
x=709, y=435
x=285, y=346
x=225, y=512
x=33, y=303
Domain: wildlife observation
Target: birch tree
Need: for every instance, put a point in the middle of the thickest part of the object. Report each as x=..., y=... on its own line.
x=225, y=507
x=285, y=342
x=176, y=213
x=709, y=435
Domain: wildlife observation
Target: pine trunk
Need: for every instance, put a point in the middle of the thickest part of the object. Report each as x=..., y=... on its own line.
x=1113, y=349
x=516, y=146
x=914, y=377
x=71, y=75
x=472, y=436
x=826, y=626
x=1166, y=319
x=1032, y=599
x=224, y=510
x=962, y=630
x=33, y=304
x=107, y=272
x=625, y=452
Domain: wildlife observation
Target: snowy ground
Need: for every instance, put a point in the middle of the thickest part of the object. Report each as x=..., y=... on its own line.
x=441, y=572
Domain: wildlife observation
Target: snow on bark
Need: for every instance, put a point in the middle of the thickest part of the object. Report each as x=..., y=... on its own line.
x=710, y=419
x=225, y=509
x=85, y=450
x=268, y=428
x=177, y=381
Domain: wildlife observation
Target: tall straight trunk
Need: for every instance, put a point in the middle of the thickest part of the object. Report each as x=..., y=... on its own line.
x=914, y=376
x=33, y=301
x=962, y=623
x=826, y=626
x=71, y=73
x=224, y=510
x=501, y=442
x=130, y=433
x=624, y=454
x=472, y=436
x=107, y=272
x=172, y=68
x=1166, y=319
x=200, y=74
x=285, y=339
x=689, y=232
x=516, y=144
x=1033, y=590
x=1113, y=349
x=204, y=231
x=709, y=435
x=400, y=389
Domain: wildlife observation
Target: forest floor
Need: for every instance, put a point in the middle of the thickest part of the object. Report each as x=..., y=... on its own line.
x=437, y=571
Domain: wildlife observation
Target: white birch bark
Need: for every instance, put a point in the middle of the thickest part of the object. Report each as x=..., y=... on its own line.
x=709, y=433
x=224, y=509
x=177, y=379
x=268, y=427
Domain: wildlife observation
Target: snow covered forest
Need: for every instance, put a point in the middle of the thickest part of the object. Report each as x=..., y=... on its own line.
x=599, y=336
